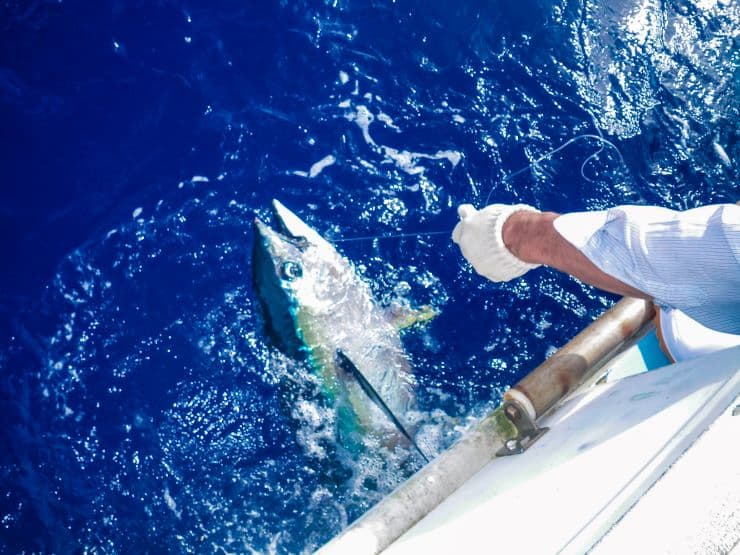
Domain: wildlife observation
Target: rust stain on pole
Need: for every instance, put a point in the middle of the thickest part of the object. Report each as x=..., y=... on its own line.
x=581, y=356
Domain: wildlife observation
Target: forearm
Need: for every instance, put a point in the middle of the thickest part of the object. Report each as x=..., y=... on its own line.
x=532, y=237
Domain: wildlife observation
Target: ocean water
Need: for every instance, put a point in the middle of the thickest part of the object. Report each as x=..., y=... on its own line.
x=145, y=409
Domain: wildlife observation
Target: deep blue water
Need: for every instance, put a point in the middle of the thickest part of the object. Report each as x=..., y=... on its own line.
x=144, y=408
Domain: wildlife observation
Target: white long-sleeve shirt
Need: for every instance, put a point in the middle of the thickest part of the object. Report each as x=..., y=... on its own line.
x=687, y=260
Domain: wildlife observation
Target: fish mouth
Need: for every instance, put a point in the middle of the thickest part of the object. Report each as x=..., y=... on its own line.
x=268, y=236
x=293, y=226
x=262, y=229
x=290, y=229
x=291, y=234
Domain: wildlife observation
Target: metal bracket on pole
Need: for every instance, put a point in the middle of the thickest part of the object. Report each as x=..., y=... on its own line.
x=527, y=430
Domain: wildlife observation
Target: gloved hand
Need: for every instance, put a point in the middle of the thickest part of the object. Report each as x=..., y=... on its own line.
x=478, y=234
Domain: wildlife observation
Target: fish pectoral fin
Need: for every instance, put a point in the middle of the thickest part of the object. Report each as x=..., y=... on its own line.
x=348, y=366
x=403, y=317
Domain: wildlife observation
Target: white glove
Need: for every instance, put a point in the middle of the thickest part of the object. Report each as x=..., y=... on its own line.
x=478, y=234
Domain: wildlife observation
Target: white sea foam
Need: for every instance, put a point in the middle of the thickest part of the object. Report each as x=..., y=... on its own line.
x=385, y=118
x=722, y=153
x=319, y=166
x=405, y=160
x=171, y=504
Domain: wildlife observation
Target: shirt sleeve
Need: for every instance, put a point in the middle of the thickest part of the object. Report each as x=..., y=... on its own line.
x=687, y=260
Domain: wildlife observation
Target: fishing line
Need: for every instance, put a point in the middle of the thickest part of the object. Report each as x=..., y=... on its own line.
x=603, y=144
x=391, y=236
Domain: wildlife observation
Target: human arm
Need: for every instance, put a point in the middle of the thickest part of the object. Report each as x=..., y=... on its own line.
x=688, y=260
x=532, y=238
x=503, y=242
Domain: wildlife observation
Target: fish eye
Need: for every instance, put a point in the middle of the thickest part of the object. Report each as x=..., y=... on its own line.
x=290, y=270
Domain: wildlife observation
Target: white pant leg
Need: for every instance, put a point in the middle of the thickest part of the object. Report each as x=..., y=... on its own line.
x=686, y=338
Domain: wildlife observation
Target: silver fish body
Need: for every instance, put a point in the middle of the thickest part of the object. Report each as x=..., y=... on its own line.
x=315, y=304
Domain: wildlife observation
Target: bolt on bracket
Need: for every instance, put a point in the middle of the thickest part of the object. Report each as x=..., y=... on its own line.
x=527, y=430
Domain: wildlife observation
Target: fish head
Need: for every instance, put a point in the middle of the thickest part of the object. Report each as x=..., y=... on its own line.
x=295, y=272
